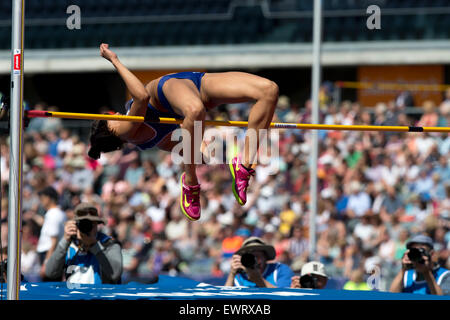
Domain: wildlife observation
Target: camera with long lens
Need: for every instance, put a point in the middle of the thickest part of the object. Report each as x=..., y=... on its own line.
x=3, y=268
x=85, y=226
x=248, y=260
x=308, y=281
x=417, y=254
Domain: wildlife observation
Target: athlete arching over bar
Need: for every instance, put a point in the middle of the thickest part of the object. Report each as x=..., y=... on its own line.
x=187, y=96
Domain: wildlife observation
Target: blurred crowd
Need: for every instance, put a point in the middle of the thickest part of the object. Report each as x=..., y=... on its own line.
x=376, y=190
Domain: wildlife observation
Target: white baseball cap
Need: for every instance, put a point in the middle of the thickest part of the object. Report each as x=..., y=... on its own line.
x=313, y=267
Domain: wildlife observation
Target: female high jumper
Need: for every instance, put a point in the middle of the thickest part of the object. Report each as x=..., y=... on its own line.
x=187, y=96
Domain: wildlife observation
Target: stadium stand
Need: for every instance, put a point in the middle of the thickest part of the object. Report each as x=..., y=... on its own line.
x=200, y=22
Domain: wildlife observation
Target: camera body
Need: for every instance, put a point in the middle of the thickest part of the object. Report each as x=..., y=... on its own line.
x=85, y=226
x=3, y=270
x=308, y=281
x=417, y=254
x=248, y=260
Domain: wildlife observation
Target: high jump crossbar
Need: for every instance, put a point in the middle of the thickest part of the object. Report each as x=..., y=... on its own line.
x=276, y=125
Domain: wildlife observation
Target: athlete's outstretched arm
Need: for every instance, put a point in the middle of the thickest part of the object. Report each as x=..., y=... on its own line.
x=134, y=86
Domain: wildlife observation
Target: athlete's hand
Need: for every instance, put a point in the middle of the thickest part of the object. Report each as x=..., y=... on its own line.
x=106, y=53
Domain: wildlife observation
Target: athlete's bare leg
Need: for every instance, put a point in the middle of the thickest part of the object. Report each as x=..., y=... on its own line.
x=234, y=87
x=185, y=99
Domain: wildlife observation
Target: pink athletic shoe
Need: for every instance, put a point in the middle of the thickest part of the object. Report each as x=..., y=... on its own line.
x=190, y=200
x=241, y=176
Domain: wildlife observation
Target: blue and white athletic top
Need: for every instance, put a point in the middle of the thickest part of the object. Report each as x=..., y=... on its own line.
x=411, y=285
x=83, y=267
x=276, y=273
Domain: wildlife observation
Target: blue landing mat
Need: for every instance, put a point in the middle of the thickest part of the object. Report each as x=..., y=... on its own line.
x=177, y=288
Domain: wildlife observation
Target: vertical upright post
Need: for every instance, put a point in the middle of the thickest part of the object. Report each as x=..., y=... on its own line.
x=16, y=152
x=315, y=85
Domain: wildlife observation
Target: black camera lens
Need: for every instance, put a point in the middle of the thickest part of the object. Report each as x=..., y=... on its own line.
x=3, y=270
x=85, y=226
x=248, y=260
x=416, y=254
x=3, y=266
x=308, y=281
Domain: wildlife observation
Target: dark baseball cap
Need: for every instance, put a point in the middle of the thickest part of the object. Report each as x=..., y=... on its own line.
x=87, y=211
x=255, y=244
x=50, y=192
x=420, y=239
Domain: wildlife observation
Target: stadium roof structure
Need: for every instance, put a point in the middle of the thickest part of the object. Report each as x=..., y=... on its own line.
x=234, y=56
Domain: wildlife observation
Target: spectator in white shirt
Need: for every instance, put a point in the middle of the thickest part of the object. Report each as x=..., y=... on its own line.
x=53, y=227
x=358, y=202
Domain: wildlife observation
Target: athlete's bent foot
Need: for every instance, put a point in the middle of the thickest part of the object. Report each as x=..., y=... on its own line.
x=241, y=177
x=190, y=200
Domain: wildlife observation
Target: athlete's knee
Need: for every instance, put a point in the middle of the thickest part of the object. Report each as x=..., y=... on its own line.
x=269, y=90
x=195, y=111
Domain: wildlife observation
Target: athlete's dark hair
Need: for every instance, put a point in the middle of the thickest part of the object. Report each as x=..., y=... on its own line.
x=102, y=139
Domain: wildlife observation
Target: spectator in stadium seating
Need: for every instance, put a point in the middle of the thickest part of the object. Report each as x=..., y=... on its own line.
x=298, y=245
x=52, y=226
x=52, y=124
x=257, y=272
x=231, y=243
x=430, y=117
x=312, y=276
x=85, y=255
x=419, y=273
x=187, y=96
x=391, y=203
x=380, y=114
x=359, y=203
x=424, y=183
x=386, y=249
x=356, y=281
x=128, y=207
x=447, y=95
x=444, y=113
x=405, y=99
x=353, y=255
x=365, y=230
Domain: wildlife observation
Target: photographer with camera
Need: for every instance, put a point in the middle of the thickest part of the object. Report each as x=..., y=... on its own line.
x=312, y=276
x=419, y=274
x=4, y=266
x=85, y=255
x=249, y=267
x=3, y=263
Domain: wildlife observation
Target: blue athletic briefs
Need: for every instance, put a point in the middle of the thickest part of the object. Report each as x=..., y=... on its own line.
x=162, y=130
